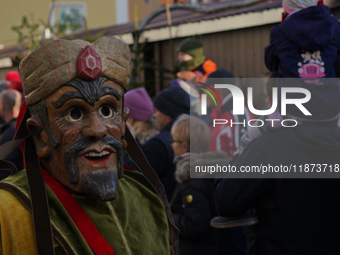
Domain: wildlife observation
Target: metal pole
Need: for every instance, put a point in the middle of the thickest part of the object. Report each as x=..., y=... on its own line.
x=48, y=22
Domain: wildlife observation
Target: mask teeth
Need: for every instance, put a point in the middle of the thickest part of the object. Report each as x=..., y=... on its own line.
x=95, y=154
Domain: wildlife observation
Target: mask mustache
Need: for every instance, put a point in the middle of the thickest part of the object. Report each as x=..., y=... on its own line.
x=73, y=151
x=114, y=143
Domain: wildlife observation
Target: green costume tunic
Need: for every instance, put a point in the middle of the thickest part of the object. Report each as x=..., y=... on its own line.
x=134, y=223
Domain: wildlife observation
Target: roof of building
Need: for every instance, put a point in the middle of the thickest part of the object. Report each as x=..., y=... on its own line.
x=233, y=7
x=229, y=8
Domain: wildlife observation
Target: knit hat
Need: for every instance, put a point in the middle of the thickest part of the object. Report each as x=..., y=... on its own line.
x=15, y=84
x=139, y=103
x=291, y=6
x=12, y=75
x=189, y=44
x=220, y=73
x=173, y=101
x=220, y=76
x=194, y=47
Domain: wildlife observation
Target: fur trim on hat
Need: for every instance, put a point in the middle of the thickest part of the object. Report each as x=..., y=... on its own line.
x=291, y=6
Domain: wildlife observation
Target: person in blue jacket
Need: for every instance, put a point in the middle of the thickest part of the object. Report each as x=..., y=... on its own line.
x=308, y=37
x=305, y=46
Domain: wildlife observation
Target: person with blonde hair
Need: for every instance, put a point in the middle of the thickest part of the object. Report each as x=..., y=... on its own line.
x=192, y=202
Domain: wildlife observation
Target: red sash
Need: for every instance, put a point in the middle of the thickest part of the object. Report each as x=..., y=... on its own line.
x=86, y=227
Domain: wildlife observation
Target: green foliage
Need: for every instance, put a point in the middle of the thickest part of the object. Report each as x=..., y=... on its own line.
x=141, y=63
x=88, y=37
x=138, y=63
x=61, y=29
x=27, y=32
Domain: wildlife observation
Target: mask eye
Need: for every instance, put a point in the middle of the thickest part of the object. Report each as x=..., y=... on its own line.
x=106, y=112
x=75, y=115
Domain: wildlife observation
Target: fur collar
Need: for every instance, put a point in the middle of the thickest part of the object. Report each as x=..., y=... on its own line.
x=187, y=161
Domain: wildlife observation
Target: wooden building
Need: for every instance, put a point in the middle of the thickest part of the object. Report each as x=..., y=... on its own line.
x=234, y=36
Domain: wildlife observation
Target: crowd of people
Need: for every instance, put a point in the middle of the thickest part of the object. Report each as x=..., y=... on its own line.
x=277, y=212
x=228, y=216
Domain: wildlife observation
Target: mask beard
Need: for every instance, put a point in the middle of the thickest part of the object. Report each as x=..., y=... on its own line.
x=100, y=184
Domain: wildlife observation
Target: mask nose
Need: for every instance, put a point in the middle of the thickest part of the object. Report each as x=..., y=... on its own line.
x=95, y=128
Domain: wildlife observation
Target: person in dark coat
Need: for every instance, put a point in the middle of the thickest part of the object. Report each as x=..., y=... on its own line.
x=169, y=104
x=296, y=216
x=10, y=103
x=192, y=203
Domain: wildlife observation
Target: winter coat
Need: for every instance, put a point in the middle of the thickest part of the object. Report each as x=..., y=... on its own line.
x=193, y=205
x=304, y=45
x=15, y=157
x=206, y=68
x=143, y=137
x=160, y=155
x=226, y=137
x=296, y=216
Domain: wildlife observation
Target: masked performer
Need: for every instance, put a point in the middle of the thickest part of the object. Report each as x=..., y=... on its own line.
x=77, y=201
